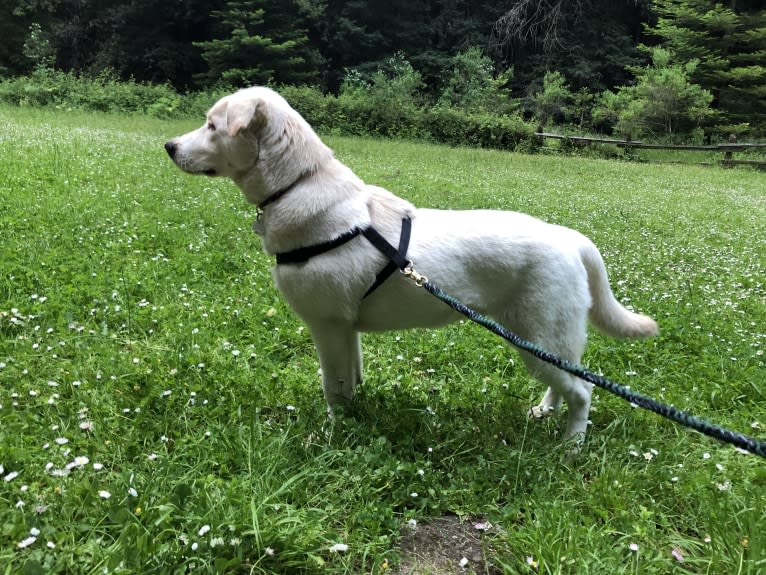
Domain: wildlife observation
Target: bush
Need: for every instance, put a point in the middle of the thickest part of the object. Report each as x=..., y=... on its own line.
x=484, y=130
x=101, y=93
x=472, y=85
x=663, y=100
x=387, y=103
x=552, y=102
x=385, y=107
x=319, y=110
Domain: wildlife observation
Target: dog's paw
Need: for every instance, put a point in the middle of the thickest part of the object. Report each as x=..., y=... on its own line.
x=573, y=446
x=540, y=411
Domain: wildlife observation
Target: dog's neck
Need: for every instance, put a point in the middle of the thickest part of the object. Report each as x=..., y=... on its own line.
x=288, y=142
x=297, y=182
x=279, y=194
x=314, y=208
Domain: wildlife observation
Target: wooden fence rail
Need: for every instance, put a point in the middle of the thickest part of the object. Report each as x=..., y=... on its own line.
x=728, y=148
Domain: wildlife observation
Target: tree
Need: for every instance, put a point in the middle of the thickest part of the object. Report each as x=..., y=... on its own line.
x=536, y=21
x=472, y=86
x=148, y=40
x=14, y=30
x=729, y=43
x=591, y=41
x=38, y=49
x=261, y=41
x=396, y=83
x=663, y=99
x=553, y=100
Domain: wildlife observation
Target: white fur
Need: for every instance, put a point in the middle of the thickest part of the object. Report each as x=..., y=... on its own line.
x=542, y=281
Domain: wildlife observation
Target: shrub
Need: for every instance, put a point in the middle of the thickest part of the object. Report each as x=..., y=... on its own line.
x=101, y=93
x=553, y=101
x=472, y=86
x=387, y=103
x=362, y=109
x=196, y=104
x=479, y=129
x=663, y=100
x=320, y=110
x=37, y=48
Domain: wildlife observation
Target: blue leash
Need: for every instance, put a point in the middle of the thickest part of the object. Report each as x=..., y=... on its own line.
x=744, y=442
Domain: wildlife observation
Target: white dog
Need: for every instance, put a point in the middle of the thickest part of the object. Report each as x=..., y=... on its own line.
x=543, y=281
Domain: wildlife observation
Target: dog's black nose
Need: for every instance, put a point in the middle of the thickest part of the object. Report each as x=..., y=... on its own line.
x=170, y=148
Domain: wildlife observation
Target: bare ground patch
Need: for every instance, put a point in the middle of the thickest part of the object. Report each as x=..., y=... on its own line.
x=448, y=545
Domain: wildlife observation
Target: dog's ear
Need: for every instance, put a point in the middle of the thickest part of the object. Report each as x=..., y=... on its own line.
x=239, y=116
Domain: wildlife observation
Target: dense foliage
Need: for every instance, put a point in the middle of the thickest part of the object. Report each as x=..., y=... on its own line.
x=560, y=61
x=386, y=107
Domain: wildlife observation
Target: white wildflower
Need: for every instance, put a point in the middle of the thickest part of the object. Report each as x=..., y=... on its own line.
x=26, y=542
x=725, y=486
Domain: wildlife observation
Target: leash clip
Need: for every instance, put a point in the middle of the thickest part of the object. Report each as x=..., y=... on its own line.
x=410, y=273
x=258, y=226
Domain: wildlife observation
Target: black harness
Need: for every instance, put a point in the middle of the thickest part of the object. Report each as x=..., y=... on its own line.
x=397, y=257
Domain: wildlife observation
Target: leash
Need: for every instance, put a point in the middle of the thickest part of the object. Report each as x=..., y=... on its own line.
x=686, y=419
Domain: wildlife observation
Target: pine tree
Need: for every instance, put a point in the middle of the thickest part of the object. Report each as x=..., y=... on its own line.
x=553, y=100
x=663, y=99
x=730, y=45
x=262, y=42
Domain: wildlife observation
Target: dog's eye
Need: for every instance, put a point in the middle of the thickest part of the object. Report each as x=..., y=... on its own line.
x=211, y=126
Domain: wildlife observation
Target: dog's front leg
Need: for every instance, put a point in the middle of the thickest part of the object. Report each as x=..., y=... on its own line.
x=340, y=357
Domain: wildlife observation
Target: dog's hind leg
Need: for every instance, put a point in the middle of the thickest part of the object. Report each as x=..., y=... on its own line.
x=340, y=357
x=562, y=387
x=567, y=339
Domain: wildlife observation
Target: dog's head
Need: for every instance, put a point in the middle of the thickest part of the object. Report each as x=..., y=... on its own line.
x=253, y=137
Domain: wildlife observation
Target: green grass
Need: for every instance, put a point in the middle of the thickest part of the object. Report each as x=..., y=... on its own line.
x=144, y=353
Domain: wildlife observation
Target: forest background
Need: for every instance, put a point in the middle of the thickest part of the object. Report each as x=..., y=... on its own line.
x=459, y=71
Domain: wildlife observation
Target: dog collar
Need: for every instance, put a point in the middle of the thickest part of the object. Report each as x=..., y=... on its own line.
x=279, y=194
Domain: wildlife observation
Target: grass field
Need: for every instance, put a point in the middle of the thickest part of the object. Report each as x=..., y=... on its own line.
x=161, y=412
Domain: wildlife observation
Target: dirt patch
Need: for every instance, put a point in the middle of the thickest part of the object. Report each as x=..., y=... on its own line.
x=446, y=546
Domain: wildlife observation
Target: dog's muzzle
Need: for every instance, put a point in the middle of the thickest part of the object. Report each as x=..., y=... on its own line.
x=170, y=148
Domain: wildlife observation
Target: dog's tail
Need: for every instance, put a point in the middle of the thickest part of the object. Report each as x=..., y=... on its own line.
x=606, y=313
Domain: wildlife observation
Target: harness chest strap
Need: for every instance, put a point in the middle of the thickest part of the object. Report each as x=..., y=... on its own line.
x=397, y=257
